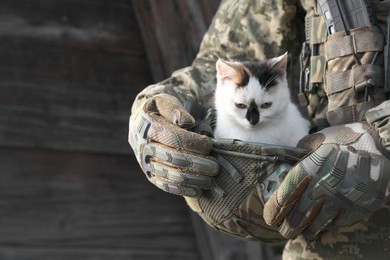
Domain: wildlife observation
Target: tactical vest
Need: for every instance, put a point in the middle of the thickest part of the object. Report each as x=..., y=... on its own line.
x=342, y=72
x=342, y=77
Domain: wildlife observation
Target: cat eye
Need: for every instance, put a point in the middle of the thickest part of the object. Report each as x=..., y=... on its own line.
x=241, y=106
x=266, y=105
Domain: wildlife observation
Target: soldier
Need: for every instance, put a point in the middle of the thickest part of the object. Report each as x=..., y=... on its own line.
x=334, y=201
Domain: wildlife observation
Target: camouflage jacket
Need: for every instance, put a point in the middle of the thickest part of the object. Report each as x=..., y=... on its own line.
x=254, y=29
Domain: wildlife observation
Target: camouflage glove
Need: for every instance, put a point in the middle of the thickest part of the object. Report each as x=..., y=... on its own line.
x=173, y=158
x=249, y=172
x=342, y=182
x=379, y=118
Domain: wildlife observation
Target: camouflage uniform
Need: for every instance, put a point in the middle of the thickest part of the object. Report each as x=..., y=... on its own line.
x=236, y=33
x=253, y=29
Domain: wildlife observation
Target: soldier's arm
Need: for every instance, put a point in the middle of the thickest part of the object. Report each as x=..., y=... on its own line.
x=173, y=158
x=240, y=30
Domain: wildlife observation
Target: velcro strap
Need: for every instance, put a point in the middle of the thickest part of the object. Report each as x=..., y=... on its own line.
x=349, y=114
x=350, y=78
x=317, y=69
x=364, y=41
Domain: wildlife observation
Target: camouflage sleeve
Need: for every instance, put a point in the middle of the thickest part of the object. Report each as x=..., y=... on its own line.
x=241, y=29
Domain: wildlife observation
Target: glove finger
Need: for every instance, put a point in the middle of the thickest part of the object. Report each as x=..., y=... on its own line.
x=179, y=177
x=173, y=188
x=324, y=218
x=309, y=210
x=293, y=186
x=298, y=220
x=170, y=108
x=178, y=159
x=165, y=133
x=286, y=196
x=152, y=127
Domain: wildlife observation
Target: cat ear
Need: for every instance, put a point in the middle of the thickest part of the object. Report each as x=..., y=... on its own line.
x=280, y=62
x=233, y=71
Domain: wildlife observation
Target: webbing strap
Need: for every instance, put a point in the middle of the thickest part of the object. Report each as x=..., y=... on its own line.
x=364, y=41
x=349, y=114
x=317, y=30
x=353, y=77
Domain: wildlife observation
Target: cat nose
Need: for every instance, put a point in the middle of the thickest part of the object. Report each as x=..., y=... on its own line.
x=254, y=120
x=252, y=115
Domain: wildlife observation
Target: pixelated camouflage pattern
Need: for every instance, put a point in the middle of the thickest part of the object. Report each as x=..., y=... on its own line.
x=233, y=35
x=370, y=237
x=367, y=239
x=256, y=30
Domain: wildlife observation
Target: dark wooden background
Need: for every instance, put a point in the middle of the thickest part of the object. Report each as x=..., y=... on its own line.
x=69, y=186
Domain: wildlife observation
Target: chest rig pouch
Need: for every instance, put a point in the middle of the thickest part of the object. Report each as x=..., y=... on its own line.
x=342, y=60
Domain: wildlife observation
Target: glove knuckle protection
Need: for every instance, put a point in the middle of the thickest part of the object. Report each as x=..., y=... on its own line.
x=354, y=177
x=235, y=205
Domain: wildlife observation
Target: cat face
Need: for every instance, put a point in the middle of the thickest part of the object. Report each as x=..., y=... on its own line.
x=252, y=93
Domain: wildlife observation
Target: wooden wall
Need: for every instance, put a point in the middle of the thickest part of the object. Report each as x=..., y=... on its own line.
x=70, y=187
x=68, y=71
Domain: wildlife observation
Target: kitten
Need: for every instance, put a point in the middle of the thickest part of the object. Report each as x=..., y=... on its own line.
x=253, y=103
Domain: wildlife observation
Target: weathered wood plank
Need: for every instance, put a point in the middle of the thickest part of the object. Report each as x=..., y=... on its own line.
x=172, y=31
x=56, y=205
x=109, y=25
x=79, y=100
x=21, y=253
x=209, y=7
x=68, y=77
x=68, y=68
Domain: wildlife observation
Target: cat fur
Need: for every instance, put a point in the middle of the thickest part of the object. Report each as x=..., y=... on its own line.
x=256, y=85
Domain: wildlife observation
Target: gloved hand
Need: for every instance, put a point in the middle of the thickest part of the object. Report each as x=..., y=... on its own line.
x=173, y=158
x=343, y=181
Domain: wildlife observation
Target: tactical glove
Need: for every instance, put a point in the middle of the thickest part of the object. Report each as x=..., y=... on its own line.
x=173, y=158
x=379, y=118
x=343, y=181
x=249, y=172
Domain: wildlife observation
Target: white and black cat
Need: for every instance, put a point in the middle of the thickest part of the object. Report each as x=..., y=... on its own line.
x=253, y=103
